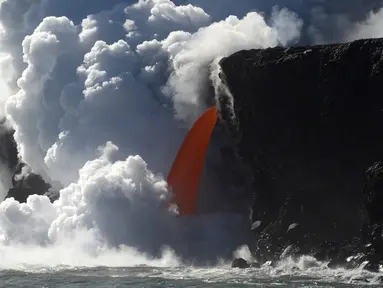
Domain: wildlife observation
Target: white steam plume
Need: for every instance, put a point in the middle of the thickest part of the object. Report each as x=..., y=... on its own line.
x=370, y=28
x=79, y=106
x=112, y=80
x=325, y=21
x=191, y=64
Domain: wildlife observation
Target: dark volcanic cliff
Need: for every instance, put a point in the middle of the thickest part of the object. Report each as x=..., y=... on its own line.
x=309, y=123
x=22, y=186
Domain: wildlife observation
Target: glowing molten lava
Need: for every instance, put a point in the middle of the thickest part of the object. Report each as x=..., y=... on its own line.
x=185, y=174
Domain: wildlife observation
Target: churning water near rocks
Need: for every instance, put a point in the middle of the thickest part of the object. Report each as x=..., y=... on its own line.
x=304, y=273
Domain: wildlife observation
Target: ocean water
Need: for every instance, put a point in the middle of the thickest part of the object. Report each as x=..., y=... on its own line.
x=223, y=276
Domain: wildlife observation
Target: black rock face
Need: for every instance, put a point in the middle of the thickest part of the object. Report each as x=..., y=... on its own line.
x=308, y=121
x=240, y=263
x=8, y=147
x=28, y=185
x=22, y=186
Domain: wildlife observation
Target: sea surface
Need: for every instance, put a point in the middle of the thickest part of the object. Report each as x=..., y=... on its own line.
x=144, y=276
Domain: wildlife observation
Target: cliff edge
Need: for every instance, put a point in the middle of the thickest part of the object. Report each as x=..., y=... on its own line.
x=308, y=121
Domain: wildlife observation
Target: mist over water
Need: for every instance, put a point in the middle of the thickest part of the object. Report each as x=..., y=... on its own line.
x=101, y=94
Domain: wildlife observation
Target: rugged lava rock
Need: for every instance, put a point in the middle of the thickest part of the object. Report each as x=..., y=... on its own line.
x=240, y=263
x=308, y=121
x=22, y=186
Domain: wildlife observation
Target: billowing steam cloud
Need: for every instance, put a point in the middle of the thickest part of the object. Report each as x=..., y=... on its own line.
x=325, y=20
x=100, y=98
x=369, y=28
x=112, y=81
